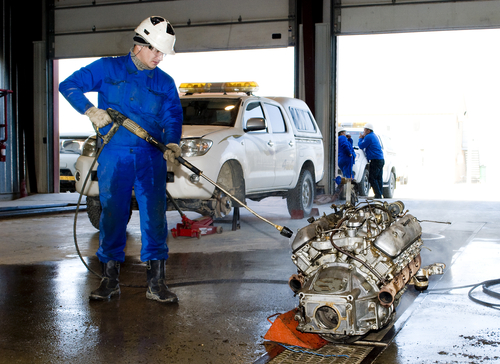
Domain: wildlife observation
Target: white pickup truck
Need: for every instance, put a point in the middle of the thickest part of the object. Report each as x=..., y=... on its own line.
x=255, y=147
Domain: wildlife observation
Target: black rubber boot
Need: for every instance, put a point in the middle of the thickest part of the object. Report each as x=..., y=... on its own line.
x=110, y=284
x=157, y=288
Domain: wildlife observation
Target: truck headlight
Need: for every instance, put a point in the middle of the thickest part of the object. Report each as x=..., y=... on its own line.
x=70, y=146
x=90, y=147
x=195, y=147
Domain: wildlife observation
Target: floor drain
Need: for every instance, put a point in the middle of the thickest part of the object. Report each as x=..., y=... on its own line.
x=355, y=354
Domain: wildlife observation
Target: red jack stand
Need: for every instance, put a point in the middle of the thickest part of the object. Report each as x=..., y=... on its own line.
x=195, y=228
x=284, y=331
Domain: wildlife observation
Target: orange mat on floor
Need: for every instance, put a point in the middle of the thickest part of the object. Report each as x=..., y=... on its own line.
x=284, y=331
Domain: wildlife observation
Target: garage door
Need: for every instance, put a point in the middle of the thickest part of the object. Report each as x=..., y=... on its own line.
x=99, y=28
x=391, y=16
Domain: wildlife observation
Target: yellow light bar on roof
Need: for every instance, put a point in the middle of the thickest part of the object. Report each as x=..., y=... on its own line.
x=221, y=87
x=194, y=87
x=241, y=86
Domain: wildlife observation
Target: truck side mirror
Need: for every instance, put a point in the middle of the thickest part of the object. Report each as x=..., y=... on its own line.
x=255, y=124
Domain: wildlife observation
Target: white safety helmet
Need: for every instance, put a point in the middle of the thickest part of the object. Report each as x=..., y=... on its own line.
x=341, y=129
x=157, y=31
x=369, y=126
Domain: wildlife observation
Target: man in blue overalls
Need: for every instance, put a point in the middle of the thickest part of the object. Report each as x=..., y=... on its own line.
x=134, y=86
x=373, y=150
x=346, y=154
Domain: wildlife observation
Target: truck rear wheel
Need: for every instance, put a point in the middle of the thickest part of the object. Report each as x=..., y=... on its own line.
x=302, y=196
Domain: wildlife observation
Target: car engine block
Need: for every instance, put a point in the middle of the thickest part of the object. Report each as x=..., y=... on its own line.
x=353, y=267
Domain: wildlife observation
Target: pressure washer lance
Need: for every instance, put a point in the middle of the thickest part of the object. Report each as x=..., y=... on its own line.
x=143, y=134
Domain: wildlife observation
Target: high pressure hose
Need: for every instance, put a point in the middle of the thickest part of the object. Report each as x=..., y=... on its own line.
x=105, y=140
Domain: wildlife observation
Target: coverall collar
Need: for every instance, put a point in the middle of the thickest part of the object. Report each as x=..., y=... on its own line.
x=131, y=68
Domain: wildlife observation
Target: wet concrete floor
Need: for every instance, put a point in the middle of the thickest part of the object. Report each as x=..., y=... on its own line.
x=228, y=285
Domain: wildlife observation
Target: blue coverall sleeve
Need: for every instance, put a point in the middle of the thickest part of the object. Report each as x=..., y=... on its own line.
x=351, y=148
x=364, y=143
x=84, y=80
x=171, y=114
x=371, y=146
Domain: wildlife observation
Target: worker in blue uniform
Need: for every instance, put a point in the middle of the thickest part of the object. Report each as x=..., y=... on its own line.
x=351, y=141
x=134, y=86
x=346, y=154
x=369, y=142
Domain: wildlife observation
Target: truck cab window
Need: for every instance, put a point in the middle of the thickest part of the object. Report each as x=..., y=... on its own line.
x=302, y=120
x=276, y=118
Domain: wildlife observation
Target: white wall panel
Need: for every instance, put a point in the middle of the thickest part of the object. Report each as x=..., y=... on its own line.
x=425, y=16
x=107, y=28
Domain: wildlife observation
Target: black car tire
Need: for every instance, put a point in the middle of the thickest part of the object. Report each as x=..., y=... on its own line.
x=302, y=196
x=364, y=185
x=94, y=210
x=389, y=190
x=231, y=179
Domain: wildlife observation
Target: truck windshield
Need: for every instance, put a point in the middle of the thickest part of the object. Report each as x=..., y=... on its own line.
x=218, y=112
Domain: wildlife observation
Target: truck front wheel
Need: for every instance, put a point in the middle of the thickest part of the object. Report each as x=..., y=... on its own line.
x=364, y=185
x=302, y=196
x=389, y=190
x=94, y=210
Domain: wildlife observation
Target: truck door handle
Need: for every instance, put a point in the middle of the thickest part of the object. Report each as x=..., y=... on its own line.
x=270, y=143
x=290, y=143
